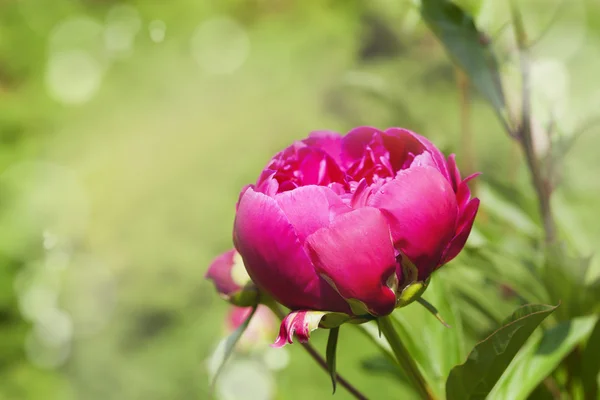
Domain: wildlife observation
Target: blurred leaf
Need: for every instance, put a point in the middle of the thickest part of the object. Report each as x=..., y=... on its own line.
x=490, y=358
x=470, y=283
x=503, y=268
x=459, y=35
x=434, y=347
x=371, y=331
x=380, y=364
x=230, y=343
x=590, y=367
x=331, y=355
x=540, y=357
x=501, y=204
x=564, y=276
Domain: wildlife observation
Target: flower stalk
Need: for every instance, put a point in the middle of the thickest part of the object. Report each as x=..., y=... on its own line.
x=404, y=358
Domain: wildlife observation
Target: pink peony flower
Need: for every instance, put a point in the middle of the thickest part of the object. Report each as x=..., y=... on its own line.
x=337, y=223
x=260, y=329
x=228, y=274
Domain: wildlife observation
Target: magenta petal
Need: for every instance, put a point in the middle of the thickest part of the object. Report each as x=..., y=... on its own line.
x=463, y=193
x=355, y=142
x=328, y=141
x=219, y=272
x=309, y=208
x=300, y=324
x=286, y=331
x=421, y=208
x=454, y=172
x=464, y=229
x=437, y=155
x=275, y=259
x=402, y=145
x=356, y=254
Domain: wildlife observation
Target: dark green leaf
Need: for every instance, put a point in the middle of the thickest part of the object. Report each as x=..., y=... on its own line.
x=591, y=364
x=331, y=354
x=541, y=356
x=489, y=359
x=230, y=343
x=459, y=35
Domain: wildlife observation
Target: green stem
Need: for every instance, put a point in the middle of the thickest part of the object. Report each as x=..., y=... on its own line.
x=404, y=358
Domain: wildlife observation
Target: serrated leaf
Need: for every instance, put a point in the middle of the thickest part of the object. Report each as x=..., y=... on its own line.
x=230, y=343
x=463, y=42
x=541, y=356
x=476, y=377
x=330, y=355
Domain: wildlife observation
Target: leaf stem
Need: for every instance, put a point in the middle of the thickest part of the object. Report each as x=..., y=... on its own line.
x=317, y=357
x=404, y=358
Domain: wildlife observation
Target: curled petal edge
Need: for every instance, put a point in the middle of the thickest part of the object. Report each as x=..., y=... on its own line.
x=302, y=323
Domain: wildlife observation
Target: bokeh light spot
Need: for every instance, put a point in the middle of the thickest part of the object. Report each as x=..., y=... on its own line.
x=73, y=77
x=157, y=30
x=220, y=45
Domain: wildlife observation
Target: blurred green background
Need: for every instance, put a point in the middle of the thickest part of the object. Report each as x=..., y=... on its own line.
x=128, y=128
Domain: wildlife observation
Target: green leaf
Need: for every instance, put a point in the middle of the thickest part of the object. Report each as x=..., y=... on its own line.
x=330, y=355
x=590, y=367
x=230, y=343
x=459, y=35
x=541, y=356
x=489, y=359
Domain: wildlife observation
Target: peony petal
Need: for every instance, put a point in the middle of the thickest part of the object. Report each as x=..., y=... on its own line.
x=355, y=143
x=220, y=273
x=463, y=193
x=357, y=257
x=309, y=208
x=402, y=145
x=454, y=172
x=316, y=167
x=361, y=194
x=421, y=208
x=275, y=259
x=464, y=229
x=300, y=323
x=437, y=155
x=328, y=141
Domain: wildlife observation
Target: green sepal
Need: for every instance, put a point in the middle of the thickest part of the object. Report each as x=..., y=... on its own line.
x=248, y=296
x=411, y=293
x=431, y=308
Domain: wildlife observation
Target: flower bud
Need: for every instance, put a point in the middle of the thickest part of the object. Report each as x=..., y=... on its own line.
x=228, y=273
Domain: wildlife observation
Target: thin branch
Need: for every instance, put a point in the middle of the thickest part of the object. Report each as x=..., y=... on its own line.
x=541, y=185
